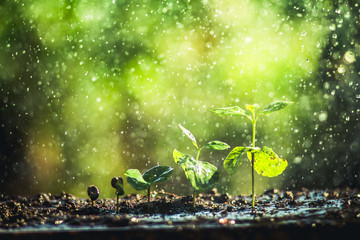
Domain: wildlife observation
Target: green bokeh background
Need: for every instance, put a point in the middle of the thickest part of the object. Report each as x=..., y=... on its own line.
x=91, y=88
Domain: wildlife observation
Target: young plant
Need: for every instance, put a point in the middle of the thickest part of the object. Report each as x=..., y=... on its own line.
x=118, y=184
x=151, y=176
x=202, y=175
x=264, y=161
x=93, y=193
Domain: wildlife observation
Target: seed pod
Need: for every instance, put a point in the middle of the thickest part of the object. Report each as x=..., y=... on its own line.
x=93, y=192
x=115, y=180
x=118, y=184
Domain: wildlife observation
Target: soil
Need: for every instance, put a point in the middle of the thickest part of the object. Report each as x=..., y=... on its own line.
x=316, y=214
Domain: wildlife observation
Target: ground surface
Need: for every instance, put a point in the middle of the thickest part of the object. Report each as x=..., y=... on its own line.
x=278, y=214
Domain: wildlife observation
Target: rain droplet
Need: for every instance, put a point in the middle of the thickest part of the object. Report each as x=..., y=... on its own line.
x=322, y=117
x=341, y=69
x=297, y=160
x=349, y=57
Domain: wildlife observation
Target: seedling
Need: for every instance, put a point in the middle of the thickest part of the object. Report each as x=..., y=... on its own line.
x=264, y=161
x=151, y=176
x=118, y=184
x=93, y=193
x=202, y=175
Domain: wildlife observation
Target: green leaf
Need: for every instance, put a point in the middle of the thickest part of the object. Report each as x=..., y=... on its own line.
x=252, y=108
x=233, y=159
x=217, y=145
x=275, y=106
x=202, y=175
x=232, y=111
x=189, y=135
x=178, y=156
x=136, y=180
x=157, y=174
x=268, y=164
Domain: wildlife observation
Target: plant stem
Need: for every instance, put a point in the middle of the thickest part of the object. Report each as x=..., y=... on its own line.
x=198, y=154
x=194, y=193
x=117, y=203
x=252, y=181
x=149, y=199
x=252, y=162
x=253, y=133
x=92, y=203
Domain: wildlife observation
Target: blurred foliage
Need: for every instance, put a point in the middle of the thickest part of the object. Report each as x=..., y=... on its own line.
x=92, y=88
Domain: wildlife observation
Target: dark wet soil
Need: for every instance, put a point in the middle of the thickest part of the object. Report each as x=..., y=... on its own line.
x=318, y=214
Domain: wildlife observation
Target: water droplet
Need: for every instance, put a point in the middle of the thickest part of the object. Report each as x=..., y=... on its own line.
x=297, y=160
x=349, y=57
x=248, y=39
x=322, y=117
x=341, y=69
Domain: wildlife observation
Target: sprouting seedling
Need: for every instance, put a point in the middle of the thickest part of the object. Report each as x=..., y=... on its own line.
x=118, y=184
x=93, y=193
x=151, y=176
x=202, y=175
x=264, y=161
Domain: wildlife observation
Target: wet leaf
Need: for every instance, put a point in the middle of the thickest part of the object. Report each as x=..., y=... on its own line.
x=136, y=180
x=232, y=111
x=179, y=157
x=267, y=163
x=275, y=106
x=202, y=175
x=252, y=108
x=233, y=159
x=189, y=135
x=217, y=145
x=157, y=174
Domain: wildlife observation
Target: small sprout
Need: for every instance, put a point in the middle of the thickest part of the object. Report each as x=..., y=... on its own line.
x=118, y=184
x=153, y=175
x=264, y=161
x=93, y=193
x=202, y=175
x=114, y=180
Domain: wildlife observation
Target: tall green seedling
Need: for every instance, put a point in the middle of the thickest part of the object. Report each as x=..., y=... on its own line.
x=264, y=161
x=202, y=175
